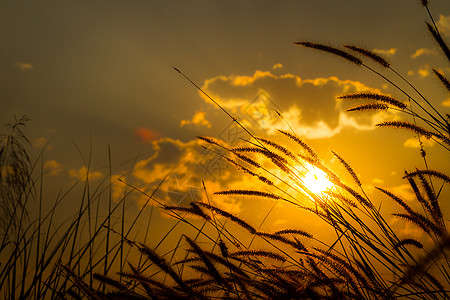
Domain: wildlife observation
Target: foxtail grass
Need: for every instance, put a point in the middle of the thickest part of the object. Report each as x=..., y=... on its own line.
x=367, y=259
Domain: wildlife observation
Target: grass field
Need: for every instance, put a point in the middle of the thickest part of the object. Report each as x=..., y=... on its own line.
x=218, y=254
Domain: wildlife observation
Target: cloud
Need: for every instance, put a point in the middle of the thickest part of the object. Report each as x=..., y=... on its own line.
x=41, y=142
x=414, y=142
x=176, y=170
x=404, y=192
x=277, y=66
x=198, y=119
x=387, y=52
x=308, y=105
x=23, y=66
x=446, y=102
x=83, y=172
x=377, y=181
x=173, y=162
x=146, y=135
x=422, y=51
x=52, y=167
x=406, y=229
x=444, y=25
x=424, y=71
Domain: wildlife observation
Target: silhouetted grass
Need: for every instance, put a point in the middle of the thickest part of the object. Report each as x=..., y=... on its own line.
x=366, y=260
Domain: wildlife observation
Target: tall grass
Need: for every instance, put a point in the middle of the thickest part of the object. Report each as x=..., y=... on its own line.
x=367, y=259
x=40, y=252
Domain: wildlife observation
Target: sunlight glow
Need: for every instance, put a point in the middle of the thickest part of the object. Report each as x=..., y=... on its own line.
x=316, y=180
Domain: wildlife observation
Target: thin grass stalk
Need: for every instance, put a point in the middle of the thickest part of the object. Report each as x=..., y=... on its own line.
x=64, y=241
x=364, y=237
x=39, y=226
x=195, y=240
x=174, y=214
x=161, y=263
x=438, y=38
x=62, y=244
x=149, y=197
x=222, y=245
x=172, y=257
x=438, y=122
x=275, y=176
x=109, y=214
x=337, y=51
x=241, y=222
x=122, y=237
x=218, y=105
x=81, y=252
x=443, y=79
x=370, y=54
x=262, y=222
x=47, y=242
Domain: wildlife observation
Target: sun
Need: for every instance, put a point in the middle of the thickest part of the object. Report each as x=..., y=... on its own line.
x=316, y=180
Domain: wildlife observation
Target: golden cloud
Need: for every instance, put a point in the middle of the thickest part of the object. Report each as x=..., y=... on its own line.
x=307, y=105
x=444, y=25
x=422, y=51
x=377, y=181
x=414, y=142
x=83, y=173
x=277, y=66
x=174, y=175
x=403, y=191
x=118, y=188
x=446, y=102
x=248, y=80
x=198, y=119
x=387, y=52
x=424, y=71
x=52, y=167
x=406, y=229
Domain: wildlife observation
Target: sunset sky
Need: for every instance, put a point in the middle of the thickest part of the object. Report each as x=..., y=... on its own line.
x=100, y=73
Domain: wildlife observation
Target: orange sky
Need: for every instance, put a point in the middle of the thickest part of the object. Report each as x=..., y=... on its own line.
x=99, y=73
